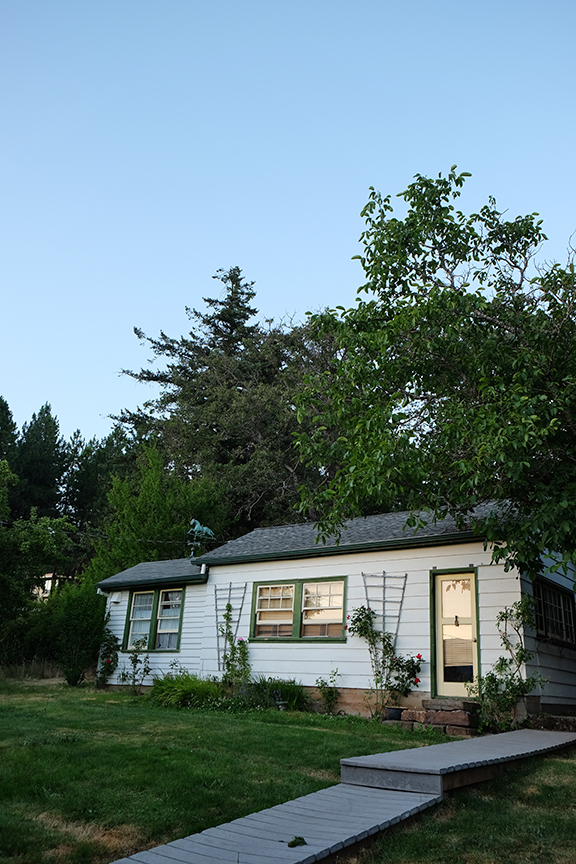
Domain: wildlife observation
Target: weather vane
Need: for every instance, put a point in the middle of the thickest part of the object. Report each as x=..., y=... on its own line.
x=198, y=534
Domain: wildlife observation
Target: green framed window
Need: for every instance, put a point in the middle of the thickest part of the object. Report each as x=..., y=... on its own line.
x=157, y=617
x=554, y=612
x=299, y=610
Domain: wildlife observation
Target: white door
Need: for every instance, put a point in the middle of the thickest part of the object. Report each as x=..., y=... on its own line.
x=456, y=636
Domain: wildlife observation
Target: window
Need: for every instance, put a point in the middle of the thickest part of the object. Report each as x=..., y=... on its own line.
x=554, y=612
x=155, y=616
x=299, y=610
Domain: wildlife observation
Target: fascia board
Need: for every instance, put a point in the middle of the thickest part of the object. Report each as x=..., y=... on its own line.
x=151, y=583
x=319, y=551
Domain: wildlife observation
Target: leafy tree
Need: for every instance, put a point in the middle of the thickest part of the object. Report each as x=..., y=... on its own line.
x=456, y=380
x=29, y=548
x=150, y=516
x=226, y=412
x=76, y=615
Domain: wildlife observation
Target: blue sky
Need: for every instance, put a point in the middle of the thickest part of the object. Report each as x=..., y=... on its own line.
x=145, y=145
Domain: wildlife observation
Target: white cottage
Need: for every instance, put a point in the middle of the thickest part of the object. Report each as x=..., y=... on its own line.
x=435, y=588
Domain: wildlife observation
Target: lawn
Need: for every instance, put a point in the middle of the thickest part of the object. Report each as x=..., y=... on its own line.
x=529, y=817
x=91, y=776
x=87, y=777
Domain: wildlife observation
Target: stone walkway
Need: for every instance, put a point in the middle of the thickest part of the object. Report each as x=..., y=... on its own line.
x=376, y=792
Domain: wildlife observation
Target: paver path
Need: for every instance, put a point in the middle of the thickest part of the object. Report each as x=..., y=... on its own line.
x=358, y=807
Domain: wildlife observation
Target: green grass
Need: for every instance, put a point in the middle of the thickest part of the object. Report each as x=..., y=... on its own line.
x=527, y=817
x=89, y=776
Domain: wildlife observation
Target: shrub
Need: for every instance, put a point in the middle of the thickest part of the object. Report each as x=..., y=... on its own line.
x=182, y=689
x=140, y=663
x=501, y=689
x=237, y=669
x=393, y=675
x=271, y=692
x=328, y=691
x=78, y=620
x=108, y=661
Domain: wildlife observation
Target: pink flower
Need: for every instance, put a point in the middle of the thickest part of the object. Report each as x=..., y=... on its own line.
x=240, y=639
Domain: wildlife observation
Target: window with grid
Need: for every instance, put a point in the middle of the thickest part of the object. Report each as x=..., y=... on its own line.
x=274, y=610
x=322, y=608
x=299, y=610
x=156, y=617
x=554, y=613
x=168, y=619
x=140, y=617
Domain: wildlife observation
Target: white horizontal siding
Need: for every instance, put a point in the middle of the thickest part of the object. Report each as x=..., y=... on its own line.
x=306, y=661
x=555, y=663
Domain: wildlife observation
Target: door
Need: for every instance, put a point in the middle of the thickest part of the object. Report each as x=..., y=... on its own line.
x=456, y=636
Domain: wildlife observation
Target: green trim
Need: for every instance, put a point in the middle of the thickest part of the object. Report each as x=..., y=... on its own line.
x=432, y=611
x=298, y=640
x=153, y=630
x=297, y=611
x=445, y=571
x=317, y=551
x=569, y=595
x=151, y=584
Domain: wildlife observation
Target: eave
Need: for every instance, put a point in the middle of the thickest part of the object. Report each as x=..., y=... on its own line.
x=319, y=551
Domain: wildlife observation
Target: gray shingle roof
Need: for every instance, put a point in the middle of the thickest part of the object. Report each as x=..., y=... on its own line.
x=149, y=573
x=386, y=530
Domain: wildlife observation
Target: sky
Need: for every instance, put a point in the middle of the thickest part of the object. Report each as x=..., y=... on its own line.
x=145, y=145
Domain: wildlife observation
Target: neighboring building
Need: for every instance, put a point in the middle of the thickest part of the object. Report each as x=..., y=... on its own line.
x=436, y=588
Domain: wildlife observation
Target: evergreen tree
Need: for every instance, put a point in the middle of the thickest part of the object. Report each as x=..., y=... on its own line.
x=8, y=432
x=226, y=408
x=150, y=516
x=39, y=462
x=90, y=466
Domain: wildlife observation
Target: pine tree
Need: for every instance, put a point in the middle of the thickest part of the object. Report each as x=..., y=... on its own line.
x=226, y=408
x=8, y=432
x=39, y=462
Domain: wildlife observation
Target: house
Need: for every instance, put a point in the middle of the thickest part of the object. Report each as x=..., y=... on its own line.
x=435, y=589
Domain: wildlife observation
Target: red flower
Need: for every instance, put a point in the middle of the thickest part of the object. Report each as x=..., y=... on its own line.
x=108, y=660
x=347, y=617
x=346, y=625
x=419, y=656
x=416, y=680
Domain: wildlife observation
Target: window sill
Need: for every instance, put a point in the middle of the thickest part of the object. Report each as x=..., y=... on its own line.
x=295, y=640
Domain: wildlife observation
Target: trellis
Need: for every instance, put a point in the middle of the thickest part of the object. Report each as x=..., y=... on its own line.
x=233, y=594
x=385, y=596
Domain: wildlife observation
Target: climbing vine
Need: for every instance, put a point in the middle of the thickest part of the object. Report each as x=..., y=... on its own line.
x=393, y=675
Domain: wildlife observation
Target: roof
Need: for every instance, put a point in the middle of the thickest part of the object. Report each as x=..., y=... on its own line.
x=178, y=571
x=366, y=533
